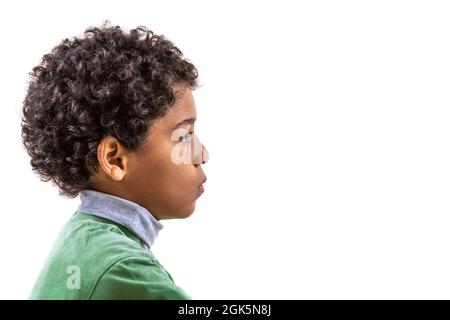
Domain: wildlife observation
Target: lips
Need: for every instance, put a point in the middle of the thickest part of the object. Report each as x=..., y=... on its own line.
x=201, y=189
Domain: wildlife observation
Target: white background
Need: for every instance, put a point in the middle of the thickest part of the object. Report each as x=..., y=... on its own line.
x=328, y=128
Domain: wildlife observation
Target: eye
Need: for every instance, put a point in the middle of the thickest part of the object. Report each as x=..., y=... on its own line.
x=185, y=138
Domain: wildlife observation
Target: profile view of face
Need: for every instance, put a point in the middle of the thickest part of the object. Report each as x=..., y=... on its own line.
x=165, y=175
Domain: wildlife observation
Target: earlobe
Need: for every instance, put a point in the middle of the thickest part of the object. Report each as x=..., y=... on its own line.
x=117, y=174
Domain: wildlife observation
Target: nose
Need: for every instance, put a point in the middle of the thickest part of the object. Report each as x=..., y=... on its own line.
x=205, y=155
x=201, y=154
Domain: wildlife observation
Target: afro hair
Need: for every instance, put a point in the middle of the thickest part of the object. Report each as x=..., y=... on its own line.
x=108, y=82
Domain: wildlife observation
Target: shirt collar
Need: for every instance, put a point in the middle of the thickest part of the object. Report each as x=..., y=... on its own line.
x=122, y=211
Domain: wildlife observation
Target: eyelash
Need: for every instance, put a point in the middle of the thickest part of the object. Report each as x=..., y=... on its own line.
x=181, y=138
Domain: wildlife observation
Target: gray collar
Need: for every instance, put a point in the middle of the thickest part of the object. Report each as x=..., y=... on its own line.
x=122, y=211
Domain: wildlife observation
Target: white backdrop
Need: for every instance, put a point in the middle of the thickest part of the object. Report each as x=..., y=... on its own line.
x=328, y=129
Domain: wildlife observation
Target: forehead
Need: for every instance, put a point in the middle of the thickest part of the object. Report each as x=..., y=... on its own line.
x=183, y=108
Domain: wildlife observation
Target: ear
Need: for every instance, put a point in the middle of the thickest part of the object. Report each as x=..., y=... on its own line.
x=112, y=158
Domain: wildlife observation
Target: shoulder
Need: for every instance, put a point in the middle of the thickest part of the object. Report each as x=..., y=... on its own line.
x=137, y=277
x=128, y=271
x=101, y=234
x=86, y=248
x=94, y=240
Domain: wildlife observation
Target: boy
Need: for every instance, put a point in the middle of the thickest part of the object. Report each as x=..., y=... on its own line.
x=110, y=117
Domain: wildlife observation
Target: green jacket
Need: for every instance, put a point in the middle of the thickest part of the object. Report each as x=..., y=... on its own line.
x=96, y=258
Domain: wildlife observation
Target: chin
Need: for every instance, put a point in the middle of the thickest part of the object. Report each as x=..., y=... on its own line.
x=183, y=213
x=188, y=212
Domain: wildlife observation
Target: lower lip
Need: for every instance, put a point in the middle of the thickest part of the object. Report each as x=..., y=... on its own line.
x=201, y=189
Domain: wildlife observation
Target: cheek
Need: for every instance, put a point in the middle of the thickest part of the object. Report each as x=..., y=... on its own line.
x=172, y=179
x=182, y=178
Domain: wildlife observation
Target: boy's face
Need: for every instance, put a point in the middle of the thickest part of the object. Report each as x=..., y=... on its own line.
x=165, y=175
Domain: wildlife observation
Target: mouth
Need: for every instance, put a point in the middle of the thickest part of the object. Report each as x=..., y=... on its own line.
x=201, y=188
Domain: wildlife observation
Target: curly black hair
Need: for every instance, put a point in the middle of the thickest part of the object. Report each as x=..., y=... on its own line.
x=107, y=82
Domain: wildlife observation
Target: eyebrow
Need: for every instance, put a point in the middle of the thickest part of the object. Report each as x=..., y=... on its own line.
x=185, y=121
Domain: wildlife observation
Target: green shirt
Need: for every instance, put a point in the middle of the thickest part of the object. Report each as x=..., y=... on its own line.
x=97, y=258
